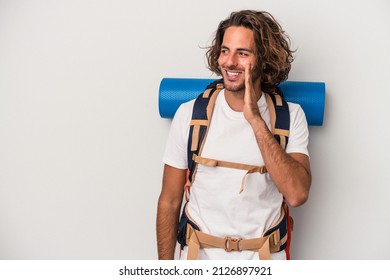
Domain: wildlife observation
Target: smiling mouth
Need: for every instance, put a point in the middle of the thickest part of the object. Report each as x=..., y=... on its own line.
x=232, y=74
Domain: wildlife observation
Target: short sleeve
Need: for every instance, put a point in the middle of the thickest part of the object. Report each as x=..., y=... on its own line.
x=176, y=147
x=299, y=133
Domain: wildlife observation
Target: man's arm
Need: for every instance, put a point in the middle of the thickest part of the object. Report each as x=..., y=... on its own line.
x=290, y=172
x=168, y=210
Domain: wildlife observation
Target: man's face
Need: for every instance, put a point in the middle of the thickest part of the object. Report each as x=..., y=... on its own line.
x=238, y=49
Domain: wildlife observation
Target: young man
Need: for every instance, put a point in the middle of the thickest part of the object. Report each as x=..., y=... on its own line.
x=230, y=209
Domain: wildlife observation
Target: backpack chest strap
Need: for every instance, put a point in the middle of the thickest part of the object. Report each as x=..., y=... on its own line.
x=228, y=164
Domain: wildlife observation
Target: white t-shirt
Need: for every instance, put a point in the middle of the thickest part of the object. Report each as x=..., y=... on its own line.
x=215, y=203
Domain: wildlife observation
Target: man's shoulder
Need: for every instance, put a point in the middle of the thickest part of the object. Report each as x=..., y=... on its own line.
x=294, y=108
x=185, y=109
x=297, y=116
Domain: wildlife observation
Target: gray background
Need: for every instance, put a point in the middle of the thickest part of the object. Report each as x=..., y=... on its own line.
x=81, y=139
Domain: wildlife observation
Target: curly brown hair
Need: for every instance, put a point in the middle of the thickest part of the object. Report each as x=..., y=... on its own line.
x=274, y=56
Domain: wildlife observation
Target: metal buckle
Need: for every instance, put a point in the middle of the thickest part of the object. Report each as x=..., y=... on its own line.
x=232, y=244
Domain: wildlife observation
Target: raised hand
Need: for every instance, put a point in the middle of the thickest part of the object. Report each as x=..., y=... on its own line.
x=251, y=109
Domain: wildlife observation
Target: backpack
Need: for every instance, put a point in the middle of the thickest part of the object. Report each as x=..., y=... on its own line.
x=201, y=118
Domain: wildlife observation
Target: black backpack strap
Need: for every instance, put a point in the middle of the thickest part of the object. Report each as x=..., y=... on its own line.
x=201, y=117
x=280, y=118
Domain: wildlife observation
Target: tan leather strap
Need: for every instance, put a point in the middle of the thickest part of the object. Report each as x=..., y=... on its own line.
x=195, y=138
x=221, y=163
x=263, y=245
x=272, y=113
x=207, y=92
x=278, y=99
x=228, y=164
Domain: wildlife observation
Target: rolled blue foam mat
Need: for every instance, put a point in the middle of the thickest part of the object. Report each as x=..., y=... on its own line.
x=310, y=95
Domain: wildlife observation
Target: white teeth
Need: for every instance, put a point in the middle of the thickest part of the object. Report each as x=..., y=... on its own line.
x=232, y=73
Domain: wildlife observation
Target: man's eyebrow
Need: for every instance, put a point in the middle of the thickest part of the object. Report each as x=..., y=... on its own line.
x=245, y=50
x=239, y=49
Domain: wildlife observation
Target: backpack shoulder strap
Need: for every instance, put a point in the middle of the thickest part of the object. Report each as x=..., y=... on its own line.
x=280, y=118
x=280, y=126
x=201, y=117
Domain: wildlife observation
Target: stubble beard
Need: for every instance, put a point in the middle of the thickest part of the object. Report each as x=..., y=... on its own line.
x=239, y=87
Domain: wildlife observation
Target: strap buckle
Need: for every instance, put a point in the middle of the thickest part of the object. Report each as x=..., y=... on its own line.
x=232, y=244
x=274, y=239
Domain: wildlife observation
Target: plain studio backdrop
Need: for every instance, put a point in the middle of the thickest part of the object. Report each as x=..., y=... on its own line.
x=81, y=139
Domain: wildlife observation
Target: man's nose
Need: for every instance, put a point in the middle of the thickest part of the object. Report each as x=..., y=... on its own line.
x=231, y=60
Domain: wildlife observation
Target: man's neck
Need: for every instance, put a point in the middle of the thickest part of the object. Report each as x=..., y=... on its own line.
x=235, y=100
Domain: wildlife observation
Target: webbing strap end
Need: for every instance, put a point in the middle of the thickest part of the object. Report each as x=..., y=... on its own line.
x=195, y=138
x=264, y=252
